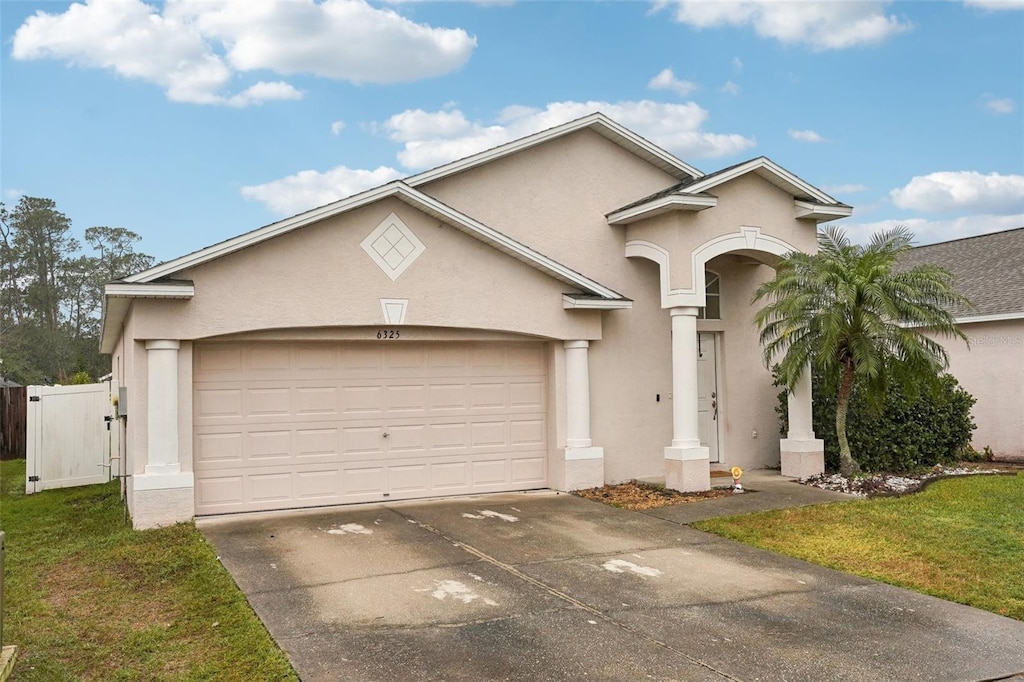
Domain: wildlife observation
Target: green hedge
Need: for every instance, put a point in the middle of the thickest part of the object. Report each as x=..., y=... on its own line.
x=910, y=429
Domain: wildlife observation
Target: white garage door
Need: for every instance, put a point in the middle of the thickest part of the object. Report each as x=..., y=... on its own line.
x=281, y=426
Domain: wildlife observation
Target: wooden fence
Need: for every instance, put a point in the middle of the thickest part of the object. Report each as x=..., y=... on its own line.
x=13, y=417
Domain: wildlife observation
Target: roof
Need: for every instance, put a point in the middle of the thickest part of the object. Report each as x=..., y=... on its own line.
x=693, y=194
x=989, y=271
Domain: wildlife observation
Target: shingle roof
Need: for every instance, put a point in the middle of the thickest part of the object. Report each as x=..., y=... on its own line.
x=989, y=270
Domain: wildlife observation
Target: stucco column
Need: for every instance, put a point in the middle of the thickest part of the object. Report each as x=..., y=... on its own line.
x=801, y=454
x=583, y=464
x=687, y=465
x=577, y=395
x=163, y=493
x=162, y=423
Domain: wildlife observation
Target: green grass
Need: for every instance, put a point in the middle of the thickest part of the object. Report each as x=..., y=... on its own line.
x=961, y=539
x=88, y=598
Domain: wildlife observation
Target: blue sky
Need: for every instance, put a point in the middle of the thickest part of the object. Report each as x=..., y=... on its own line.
x=196, y=120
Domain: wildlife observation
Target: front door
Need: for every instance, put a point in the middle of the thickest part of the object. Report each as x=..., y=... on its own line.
x=707, y=393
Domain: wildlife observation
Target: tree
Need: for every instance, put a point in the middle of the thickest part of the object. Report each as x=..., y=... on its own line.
x=51, y=295
x=848, y=311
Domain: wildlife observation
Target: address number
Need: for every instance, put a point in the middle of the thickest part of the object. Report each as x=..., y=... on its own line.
x=388, y=334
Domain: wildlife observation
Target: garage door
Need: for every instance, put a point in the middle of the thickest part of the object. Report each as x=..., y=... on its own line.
x=281, y=426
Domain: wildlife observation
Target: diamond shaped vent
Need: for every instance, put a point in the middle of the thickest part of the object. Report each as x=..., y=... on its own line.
x=393, y=246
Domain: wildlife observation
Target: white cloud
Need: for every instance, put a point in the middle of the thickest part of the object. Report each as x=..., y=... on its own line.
x=193, y=48
x=666, y=80
x=13, y=194
x=434, y=138
x=931, y=231
x=309, y=189
x=995, y=4
x=737, y=65
x=263, y=92
x=820, y=25
x=845, y=189
x=963, y=190
x=337, y=127
x=1000, y=105
x=730, y=88
x=806, y=136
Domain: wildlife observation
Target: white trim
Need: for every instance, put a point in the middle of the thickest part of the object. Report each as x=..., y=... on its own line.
x=819, y=212
x=973, y=319
x=153, y=481
x=990, y=318
x=760, y=163
x=394, y=310
x=573, y=454
x=369, y=246
x=661, y=205
x=570, y=302
x=158, y=290
x=746, y=238
x=601, y=123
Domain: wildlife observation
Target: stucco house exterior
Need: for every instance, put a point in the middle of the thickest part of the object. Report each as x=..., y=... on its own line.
x=568, y=309
x=989, y=271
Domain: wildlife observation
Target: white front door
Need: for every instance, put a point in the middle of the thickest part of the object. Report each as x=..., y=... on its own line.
x=707, y=394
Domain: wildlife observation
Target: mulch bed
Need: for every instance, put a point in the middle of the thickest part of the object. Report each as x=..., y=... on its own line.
x=636, y=496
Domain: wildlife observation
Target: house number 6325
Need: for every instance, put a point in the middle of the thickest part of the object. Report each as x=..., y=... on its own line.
x=388, y=334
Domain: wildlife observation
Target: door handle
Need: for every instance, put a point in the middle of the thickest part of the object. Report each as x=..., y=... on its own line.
x=386, y=434
x=714, y=406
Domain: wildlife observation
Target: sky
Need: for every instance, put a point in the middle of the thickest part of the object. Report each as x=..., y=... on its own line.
x=193, y=121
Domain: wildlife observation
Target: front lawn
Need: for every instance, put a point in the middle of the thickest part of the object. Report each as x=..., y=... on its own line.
x=88, y=598
x=960, y=539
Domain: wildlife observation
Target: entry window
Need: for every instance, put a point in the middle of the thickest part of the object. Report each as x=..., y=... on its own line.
x=712, y=309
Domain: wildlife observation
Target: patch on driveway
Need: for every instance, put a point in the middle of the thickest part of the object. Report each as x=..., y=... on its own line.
x=568, y=589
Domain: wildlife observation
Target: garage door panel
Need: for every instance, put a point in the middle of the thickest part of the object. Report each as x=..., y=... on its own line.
x=320, y=401
x=316, y=442
x=526, y=394
x=529, y=470
x=362, y=400
x=290, y=425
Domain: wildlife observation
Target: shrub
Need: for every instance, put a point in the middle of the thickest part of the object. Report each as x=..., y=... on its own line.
x=80, y=378
x=912, y=427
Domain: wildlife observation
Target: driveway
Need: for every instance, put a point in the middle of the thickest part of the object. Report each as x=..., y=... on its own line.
x=546, y=586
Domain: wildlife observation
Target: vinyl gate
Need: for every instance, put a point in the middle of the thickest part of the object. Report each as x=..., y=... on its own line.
x=71, y=433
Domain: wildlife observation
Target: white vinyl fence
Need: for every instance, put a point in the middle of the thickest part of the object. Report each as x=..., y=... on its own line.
x=71, y=435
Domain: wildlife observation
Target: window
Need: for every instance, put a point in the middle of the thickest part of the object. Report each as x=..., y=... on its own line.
x=712, y=309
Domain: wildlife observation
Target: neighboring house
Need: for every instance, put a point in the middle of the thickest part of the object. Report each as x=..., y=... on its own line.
x=989, y=271
x=568, y=309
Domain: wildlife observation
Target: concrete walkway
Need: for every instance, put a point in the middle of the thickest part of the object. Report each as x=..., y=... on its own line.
x=548, y=586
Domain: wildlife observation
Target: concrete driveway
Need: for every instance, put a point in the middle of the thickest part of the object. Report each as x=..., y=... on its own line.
x=547, y=586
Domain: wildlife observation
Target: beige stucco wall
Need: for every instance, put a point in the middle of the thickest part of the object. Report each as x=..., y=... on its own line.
x=992, y=370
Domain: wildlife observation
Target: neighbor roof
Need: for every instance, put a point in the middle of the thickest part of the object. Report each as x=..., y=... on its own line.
x=989, y=271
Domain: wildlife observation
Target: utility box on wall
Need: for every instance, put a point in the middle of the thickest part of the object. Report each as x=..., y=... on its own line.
x=122, y=401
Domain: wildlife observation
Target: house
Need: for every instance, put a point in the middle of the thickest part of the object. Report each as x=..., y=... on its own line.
x=564, y=310
x=989, y=271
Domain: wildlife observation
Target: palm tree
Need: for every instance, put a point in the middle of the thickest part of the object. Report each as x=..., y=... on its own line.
x=848, y=312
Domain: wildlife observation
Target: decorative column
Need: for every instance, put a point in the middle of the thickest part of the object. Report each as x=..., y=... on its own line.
x=687, y=464
x=163, y=494
x=802, y=454
x=584, y=463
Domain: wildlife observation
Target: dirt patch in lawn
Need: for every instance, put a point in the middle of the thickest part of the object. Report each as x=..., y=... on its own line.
x=635, y=495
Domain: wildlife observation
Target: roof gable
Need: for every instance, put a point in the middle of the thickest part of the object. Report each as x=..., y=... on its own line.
x=403, y=192
x=694, y=194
